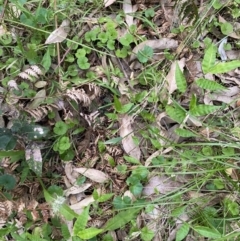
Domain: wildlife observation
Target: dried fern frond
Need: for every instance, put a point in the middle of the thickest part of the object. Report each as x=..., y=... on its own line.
x=42, y=111
x=78, y=95
x=186, y=10
x=30, y=73
x=94, y=90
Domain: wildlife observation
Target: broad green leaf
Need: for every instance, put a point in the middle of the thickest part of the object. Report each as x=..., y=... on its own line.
x=105, y=197
x=131, y=160
x=207, y=232
x=7, y=181
x=117, y=104
x=113, y=141
x=19, y=154
x=180, y=79
x=47, y=196
x=184, y=133
x=182, y=232
x=209, y=58
x=89, y=233
x=209, y=84
x=224, y=67
x=65, y=232
x=147, y=234
x=145, y=54
x=178, y=211
x=81, y=221
x=67, y=212
x=46, y=61
x=176, y=113
x=120, y=219
x=201, y=110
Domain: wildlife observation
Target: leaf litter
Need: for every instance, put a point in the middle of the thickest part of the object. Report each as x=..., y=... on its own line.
x=183, y=83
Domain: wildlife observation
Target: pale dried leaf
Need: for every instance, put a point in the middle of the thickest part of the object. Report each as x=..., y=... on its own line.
x=221, y=50
x=38, y=99
x=127, y=8
x=77, y=189
x=68, y=171
x=93, y=174
x=161, y=184
x=126, y=132
x=157, y=45
x=108, y=2
x=59, y=34
x=2, y=30
x=83, y=203
x=40, y=84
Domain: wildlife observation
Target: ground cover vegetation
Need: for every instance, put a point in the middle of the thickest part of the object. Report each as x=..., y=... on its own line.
x=119, y=120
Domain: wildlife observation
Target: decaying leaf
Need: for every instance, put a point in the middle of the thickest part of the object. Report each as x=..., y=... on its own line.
x=126, y=132
x=34, y=158
x=77, y=189
x=108, y=2
x=161, y=184
x=94, y=175
x=156, y=45
x=127, y=8
x=59, y=34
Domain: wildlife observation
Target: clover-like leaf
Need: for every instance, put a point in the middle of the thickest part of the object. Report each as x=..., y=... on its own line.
x=7, y=181
x=60, y=128
x=145, y=54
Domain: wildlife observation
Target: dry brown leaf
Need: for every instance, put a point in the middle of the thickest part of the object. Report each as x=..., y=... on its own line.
x=77, y=189
x=94, y=175
x=161, y=184
x=127, y=8
x=59, y=34
x=108, y=2
x=157, y=45
x=126, y=132
x=83, y=203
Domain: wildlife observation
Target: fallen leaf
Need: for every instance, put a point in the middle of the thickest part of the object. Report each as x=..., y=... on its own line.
x=83, y=203
x=94, y=175
x=156, y=45
x=126, y=132
x=221, y=50
x=127, y=8
x=59, y=34
x=108, y=2
x=161, y=184
x=77, y=189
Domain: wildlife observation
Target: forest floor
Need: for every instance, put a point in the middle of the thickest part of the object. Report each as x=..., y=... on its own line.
x=119, y=120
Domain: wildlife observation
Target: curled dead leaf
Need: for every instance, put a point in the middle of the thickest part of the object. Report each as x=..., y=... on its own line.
x=161, y=184
x=59, y=34
x=94, y=175
x=127, y=8
x=156, y=45
x=108, y=2
x=126, y=132
x=77, y=189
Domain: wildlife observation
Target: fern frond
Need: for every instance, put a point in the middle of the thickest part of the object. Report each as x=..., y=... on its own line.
x=78, y=95
x=36, y=69
x=25, y=75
